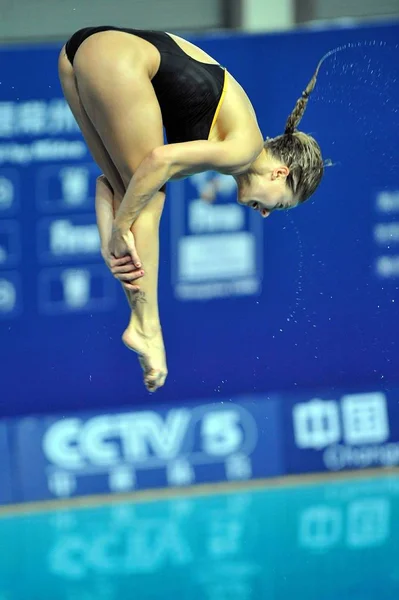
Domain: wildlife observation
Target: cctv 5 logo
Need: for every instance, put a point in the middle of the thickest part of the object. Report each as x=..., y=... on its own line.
x=204, y=435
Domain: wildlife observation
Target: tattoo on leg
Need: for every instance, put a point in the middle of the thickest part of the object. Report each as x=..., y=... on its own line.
x=138, y=298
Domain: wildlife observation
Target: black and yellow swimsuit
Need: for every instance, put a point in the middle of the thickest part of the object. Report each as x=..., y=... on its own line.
x=189, y=92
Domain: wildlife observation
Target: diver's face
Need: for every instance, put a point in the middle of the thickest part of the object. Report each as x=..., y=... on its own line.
x=272, y=195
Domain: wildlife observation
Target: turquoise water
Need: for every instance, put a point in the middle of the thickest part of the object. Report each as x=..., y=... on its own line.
x=338, y=540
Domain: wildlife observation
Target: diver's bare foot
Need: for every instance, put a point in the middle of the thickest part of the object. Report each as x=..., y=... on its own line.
x=151, y=350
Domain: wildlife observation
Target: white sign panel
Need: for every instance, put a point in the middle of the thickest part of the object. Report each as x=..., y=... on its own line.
x=216, y=249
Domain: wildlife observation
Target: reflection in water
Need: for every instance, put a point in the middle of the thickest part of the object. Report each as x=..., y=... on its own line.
x=336, y=540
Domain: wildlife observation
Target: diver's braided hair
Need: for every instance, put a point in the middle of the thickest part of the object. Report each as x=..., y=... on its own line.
x=299, y=152
x=295, y=117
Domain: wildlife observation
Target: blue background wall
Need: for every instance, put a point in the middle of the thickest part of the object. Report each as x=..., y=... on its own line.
x=315, y=303
x=319, y=282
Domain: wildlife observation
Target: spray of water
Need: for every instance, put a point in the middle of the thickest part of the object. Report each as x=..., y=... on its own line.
x=299, y=290
x=342, y=48
x=366, y=74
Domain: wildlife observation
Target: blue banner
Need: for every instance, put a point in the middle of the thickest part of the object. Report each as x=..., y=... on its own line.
x=334, y=431
x=6, y=484
x=239, y=439
x=94, y=453
x=246, y=304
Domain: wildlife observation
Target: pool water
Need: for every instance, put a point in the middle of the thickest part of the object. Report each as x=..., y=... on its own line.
x=322, y=541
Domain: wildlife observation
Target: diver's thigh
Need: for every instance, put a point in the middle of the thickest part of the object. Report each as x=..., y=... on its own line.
x=120, y=101
x=92, y=138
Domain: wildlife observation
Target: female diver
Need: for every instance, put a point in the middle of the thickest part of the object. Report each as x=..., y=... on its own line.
x=124, y=86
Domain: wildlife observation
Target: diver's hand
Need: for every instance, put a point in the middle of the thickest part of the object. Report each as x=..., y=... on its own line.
x=122, y=244
x=123, y=270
